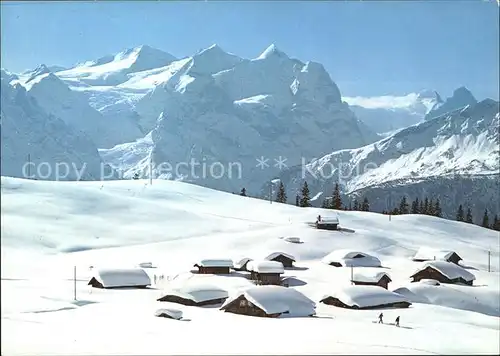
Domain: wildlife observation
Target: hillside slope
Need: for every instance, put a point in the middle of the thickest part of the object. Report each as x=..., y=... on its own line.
x=172, y=224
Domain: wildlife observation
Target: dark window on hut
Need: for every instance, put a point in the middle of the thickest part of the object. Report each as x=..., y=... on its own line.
x=358, y=256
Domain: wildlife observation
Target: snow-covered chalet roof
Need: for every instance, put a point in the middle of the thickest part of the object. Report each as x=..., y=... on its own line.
x=239, y=262
x=122, y=277
x=197, y=292
x=448, y=269
x=329, y=220
x=427, y=253
x=349, y=258
x=215, y=262
x=366, y=296
x=293, y=239
x=266, y=267
x=367, y=275
x=173, y=313
x=276, y=254
x=276, y=299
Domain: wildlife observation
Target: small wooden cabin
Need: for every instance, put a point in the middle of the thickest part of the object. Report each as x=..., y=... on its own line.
x=266, y=272
x=214, y=266
x=380, y=279
x=195, y=295
x=444, y=272
x=429, y=254
x=120, y=278
x=338, y=303
x=169, y=314
x=365, y=297
x=286, y=259
x=270, y=302
x=328, y=223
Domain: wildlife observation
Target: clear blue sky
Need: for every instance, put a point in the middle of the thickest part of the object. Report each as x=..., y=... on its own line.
x=369, y=48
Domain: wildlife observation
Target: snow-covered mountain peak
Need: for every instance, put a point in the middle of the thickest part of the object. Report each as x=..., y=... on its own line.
x=40, y=70
x=272, y=52
x=313, y=83
x=212, y=60
x=461, y=98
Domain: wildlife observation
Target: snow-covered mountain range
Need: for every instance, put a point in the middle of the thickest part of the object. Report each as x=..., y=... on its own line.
x=38, y=145
x=208, y=117
x=463, y=143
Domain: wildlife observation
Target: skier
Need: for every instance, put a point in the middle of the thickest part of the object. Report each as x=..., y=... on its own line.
x=380, y=321
x=397, y=321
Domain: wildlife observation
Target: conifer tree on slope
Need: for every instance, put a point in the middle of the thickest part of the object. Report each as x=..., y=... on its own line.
x=365, y=206
x=431, y=210
x=437, y=209
x=336, y=199
x=468, y=218
x=496, y=223
x=325, y=204
x=305, y=201
x=356, y=204
x=460, y=213
x=297, y=200
x=403, y=206
x=421, y=208
x=281, y=195
x=486, y=219
x=243, y=192
x=415, y=206
x=426, y=206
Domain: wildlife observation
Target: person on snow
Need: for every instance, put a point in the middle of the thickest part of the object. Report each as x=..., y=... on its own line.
x=397, y=321
x=380, y=321
x=319, y=218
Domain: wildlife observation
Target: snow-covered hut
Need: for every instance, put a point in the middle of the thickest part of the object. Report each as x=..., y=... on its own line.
x=120, y=278
x=214, y=266
x=169, y=313
x=270, y=301
x=371, y=277
x=195, y=294
x=292, y=239
x=266, y=272
x=365, y=297
x=430, y=254
x=327, y=223
x=240, y=264
x=444, y=272
x=351, y=258
x=286, y=259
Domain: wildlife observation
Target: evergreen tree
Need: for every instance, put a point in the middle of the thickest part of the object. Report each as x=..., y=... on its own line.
x=243, y=192
x=460, y=213
x=426, y=206
x=486, y=219
x=421, y=208
x=281, y=195
x=305, y=201
x=336, y=199
x=415, y=206
x=496, y=223
x=468, y=218
x=431, y=207
x=325, y=204
x=297, y=200
x=365, y=206
x=395, y=211
x=403, y=206
x=356, y=204
x=136, y=176
x=437, y=209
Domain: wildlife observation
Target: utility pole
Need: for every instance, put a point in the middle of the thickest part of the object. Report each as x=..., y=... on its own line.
x=74, y=279
x=489, y=260
x=352, y=274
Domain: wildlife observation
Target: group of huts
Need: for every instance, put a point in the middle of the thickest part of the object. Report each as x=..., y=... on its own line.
x=268, y=295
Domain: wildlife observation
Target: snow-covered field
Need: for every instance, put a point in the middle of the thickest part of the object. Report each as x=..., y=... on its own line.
x=50, y=227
